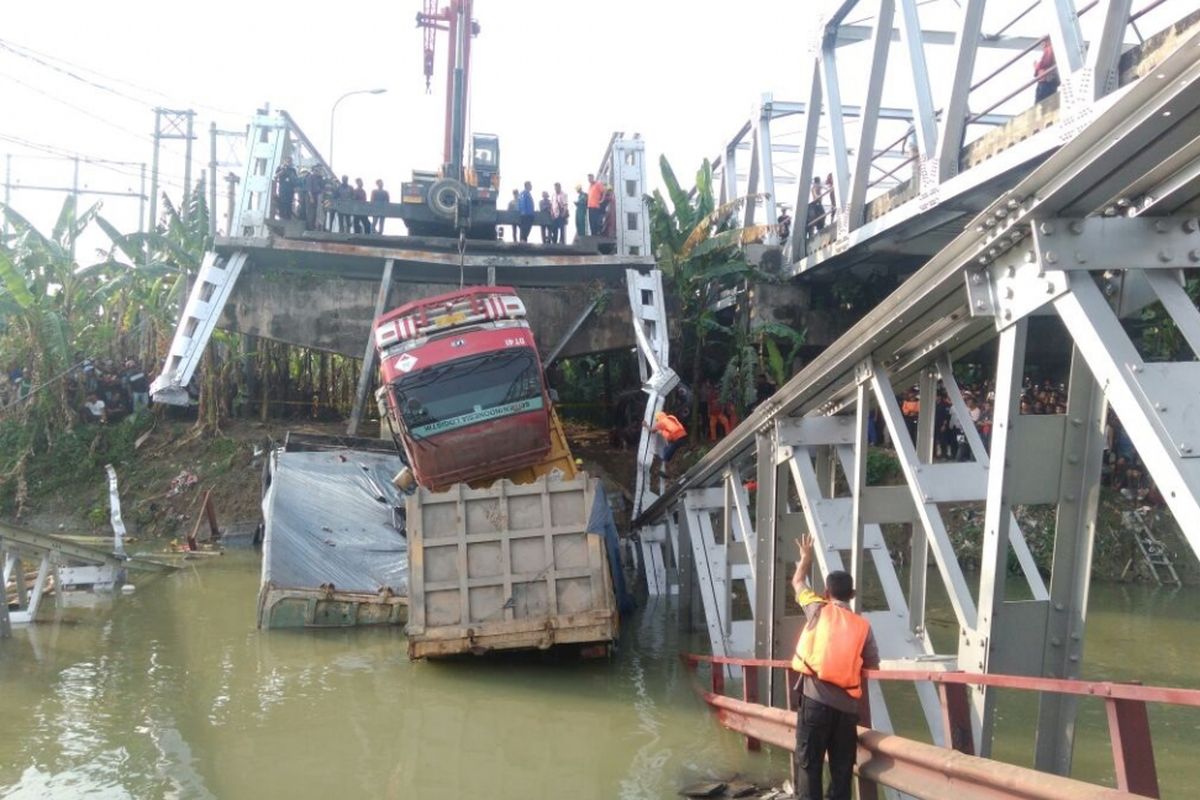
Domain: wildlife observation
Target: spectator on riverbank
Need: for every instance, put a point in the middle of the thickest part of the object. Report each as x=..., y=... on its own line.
x=94, y=409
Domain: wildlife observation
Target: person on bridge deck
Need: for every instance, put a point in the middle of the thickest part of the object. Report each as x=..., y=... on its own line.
x=560, y=212
x=344, y=192
x=547, y=209
x=595, y=206
x=672, y=432
x=816, y=210
x=285, y=185
x=313, y=184
x=785, y=226
x=834, y=648
x=525, y=211
x=1046, y=72
x=379, y=197
x=609, y=210
x=512, y=206
x=359, y=195
x=581, y=202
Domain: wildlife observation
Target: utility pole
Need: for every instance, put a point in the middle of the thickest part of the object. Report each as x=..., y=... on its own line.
x=212, y=179
x=232, y=180
x=74, y=201
x=213, y=165
x=142, y=203
x=172, y=124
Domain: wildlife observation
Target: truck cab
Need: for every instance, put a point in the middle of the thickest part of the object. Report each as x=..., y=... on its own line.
x=464, y=386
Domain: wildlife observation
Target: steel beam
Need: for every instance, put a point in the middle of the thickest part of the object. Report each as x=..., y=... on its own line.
x=954, y=109
x=369, y=360
x=836, y=126
x=923, y=120
x=1104, y=53
x=998, y=523
x=812, y=127
x=763, y=143
x=857, y=196
x=1074, y=537
x=852, y=34
x=1062, y=22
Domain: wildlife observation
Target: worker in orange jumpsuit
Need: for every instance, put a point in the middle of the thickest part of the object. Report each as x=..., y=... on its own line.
x=835, y=646
x=672, y=432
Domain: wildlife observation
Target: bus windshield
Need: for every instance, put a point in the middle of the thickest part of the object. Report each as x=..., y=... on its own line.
x=469, y=391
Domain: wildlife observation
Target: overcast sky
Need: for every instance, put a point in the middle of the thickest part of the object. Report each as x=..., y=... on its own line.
x=552, y=79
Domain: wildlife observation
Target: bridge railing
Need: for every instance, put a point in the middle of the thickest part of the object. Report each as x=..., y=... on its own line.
x=1126, y=705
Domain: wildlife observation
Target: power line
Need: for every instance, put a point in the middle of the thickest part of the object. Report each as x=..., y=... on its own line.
x=71, y=70
x=174, y=181
x=80, y=109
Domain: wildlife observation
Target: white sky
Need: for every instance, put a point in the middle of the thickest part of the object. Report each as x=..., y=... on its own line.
x=552, y=79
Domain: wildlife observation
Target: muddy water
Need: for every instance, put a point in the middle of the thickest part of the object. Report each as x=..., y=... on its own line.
x=174, y=694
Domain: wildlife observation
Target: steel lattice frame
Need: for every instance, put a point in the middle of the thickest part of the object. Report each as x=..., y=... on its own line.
x=1052, y=245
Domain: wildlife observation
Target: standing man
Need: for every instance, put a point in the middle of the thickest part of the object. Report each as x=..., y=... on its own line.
x=379, y=197
x=344, y=192
x=595, y=206
x=835, y=646
x=547, y=209
x=512, y=206
x=1046, y=72
x=525, y=211
x=581, y=202
x=314, y=182
x=359, y=195
x=285, y=188
x=561, y=207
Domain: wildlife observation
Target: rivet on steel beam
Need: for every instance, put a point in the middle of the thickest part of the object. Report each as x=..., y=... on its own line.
x=979, y=304
x=1073, y=657
x=1057, y=642
x=1137, y=367
x=1076, y=227
x=1030, y=257
x=976, y=278
x=1165, y=256
x=982, y=259
x=1009, y=294
x=1161, y=406
x=1070, y=498
x=1051, y=257
x=1189, y=225
x=1046, y=228
x=1013, y=204
x=1008, y=315
x=1076, y=421
x=1194, y=255
x=1072, y=459
x=1184, y=447
x=980, y=229
x=1049, y=288
x=1161, y=226
x=1080, y=257
x=1058, y=607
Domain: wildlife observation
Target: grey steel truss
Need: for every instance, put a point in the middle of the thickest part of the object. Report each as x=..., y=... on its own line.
x=1102, y=227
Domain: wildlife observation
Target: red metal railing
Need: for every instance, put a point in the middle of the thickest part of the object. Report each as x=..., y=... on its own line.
x=953, y=772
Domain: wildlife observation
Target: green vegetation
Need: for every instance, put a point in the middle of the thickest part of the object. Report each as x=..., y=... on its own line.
x=699, y=248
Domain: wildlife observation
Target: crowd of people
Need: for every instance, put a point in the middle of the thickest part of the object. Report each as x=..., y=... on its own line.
x=309, y=194
x=110, y=389
x=1122, y=468
x=595, y=212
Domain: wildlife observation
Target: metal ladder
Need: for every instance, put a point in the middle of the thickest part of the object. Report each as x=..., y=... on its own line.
x=272, y=138
x=1154, y=552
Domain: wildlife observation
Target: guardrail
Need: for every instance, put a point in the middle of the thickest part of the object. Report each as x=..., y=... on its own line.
x=954, y=772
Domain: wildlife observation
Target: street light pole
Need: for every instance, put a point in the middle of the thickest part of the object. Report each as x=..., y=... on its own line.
x=333, y=111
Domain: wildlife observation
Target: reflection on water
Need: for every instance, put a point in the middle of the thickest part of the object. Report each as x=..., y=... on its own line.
x=176, y=695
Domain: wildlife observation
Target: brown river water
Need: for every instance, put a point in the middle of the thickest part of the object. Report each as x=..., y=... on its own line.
x=174, y=694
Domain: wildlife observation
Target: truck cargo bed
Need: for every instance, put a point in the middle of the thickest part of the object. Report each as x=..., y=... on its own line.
x=507, y=567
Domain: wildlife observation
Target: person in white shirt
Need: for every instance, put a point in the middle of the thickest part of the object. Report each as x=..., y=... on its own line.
x=94, y=409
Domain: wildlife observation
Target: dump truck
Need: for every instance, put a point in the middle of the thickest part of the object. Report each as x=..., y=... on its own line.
x=510, y=544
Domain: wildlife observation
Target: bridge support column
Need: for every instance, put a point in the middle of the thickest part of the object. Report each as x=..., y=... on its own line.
x=368, y=362
x=1075, y=534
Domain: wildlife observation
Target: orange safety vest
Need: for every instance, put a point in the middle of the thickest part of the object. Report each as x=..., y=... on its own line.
x=670, y=427
x=832, y=649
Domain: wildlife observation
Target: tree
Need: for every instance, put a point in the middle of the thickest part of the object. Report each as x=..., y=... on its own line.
x=699, y=247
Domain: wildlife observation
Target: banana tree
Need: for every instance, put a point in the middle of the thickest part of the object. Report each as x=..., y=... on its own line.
x=698, y=245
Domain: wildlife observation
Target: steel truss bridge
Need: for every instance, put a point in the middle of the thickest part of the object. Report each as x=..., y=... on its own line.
x=1088, y=220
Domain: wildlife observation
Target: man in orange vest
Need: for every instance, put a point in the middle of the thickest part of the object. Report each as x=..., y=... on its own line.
x=672, y=432
x=835, y=646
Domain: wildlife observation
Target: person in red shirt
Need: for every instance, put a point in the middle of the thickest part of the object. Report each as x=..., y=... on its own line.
x=1046, y=72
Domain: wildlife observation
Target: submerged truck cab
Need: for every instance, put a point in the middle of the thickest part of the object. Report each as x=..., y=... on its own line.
x=464, y=386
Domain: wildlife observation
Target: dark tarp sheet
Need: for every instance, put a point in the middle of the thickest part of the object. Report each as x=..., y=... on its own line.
x=328, y=518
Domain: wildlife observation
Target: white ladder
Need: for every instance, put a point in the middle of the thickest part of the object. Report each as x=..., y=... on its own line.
x=650, y=329
x=209, y=294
